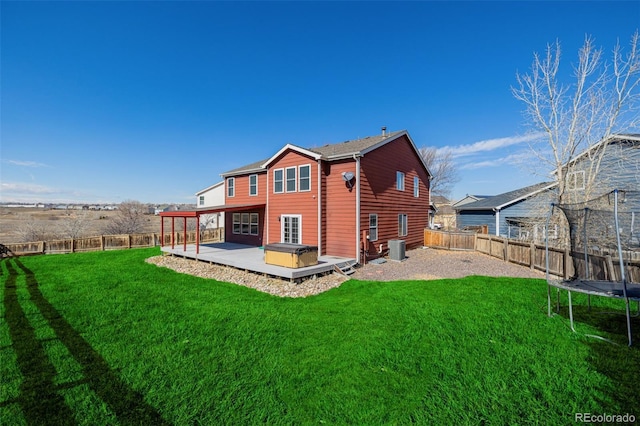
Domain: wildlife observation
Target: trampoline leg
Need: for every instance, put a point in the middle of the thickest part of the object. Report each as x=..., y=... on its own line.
x=549, y=301
x=558, y=300
x=571, y=313
x=628, y=322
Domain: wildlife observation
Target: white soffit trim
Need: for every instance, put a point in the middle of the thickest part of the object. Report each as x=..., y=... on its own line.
x=289, y=146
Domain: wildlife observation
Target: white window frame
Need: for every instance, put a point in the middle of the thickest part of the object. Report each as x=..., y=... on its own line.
x=416, y=187
x=373, y=228
x=231, y=187
x=254, y=221
x=300, y=179
x=276, y=181
x=237, y=222
x=253, y=185
x=293, y=179
x=403, y=225
x=400, y=181
x=283, y=223
x=574, y=178
x=245, y=222
x=201, y=200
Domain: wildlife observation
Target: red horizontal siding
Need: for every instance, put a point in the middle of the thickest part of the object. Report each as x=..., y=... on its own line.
x=340, y=211
x=380, y=196
x=294, y=203
x=242, y=190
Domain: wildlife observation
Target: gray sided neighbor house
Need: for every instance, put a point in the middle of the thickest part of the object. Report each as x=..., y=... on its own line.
x=613, y=163
x=515, y=214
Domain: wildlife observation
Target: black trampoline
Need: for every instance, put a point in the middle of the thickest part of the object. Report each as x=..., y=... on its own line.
x=604, y=250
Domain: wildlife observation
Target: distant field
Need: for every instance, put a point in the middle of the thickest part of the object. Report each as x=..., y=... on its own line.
x=93, y=222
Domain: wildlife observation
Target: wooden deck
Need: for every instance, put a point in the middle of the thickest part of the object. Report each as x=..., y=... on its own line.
x=251, y=258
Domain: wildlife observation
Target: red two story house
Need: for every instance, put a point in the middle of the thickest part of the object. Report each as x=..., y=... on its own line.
x=348, y=199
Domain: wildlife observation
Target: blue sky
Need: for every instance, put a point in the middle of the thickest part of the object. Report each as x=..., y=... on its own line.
x=151, y=101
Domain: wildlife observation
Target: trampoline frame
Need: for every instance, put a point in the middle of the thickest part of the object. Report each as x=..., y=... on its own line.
x=613, y=289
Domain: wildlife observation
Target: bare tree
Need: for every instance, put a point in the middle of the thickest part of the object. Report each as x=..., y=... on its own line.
x=33, y=230
x=129, y=219
x=601, y=101
x=75, y=224
x=442, y=167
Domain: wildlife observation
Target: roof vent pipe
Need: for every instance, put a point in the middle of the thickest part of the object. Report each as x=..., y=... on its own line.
x=384, y=130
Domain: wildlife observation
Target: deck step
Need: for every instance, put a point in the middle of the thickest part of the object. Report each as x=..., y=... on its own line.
x=346, y=268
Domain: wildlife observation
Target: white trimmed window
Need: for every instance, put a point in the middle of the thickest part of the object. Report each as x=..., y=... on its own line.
x=416, y=187
x=278, y=181
x=402, y=225
x=373, y=227
x=575, y=181
x=400, y=181
x=253, y=224
x=290, y=173
x=253, y=185
x=201, y=200
x=304, y=178
x=236, y=223
x=246, y=223
x=231, y=187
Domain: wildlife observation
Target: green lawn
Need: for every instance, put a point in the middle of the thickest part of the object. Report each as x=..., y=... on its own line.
x=105, y=338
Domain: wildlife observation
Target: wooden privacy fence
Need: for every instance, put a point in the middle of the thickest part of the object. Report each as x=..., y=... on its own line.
x=603, y=265
x=109, y=242
x=450, y=240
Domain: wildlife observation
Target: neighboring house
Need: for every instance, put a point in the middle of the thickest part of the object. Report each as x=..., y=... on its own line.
x=618, y=168
x=445, y=215
x=348, y=199
x=469, y=199
x=516, y=214
x=211, y=197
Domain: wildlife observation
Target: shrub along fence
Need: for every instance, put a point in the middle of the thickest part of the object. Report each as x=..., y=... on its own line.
x=561, y=261
x=109, y=242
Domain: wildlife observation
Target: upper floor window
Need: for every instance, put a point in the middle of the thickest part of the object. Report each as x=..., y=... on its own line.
x=575, y=180
x=291, y=179
x=201, y=200
x=253, y=185
x=304, y=178
x=400, y=181
x=278, y=181
x=416, y=187
x=231, y=187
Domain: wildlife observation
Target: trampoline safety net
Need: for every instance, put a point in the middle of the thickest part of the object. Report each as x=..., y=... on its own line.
x=605, y=232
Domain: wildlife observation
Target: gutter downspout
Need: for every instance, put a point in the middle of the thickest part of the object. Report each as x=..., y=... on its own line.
x=357, y=158
x=266, y=215
x=497, y=222
x=319, y=207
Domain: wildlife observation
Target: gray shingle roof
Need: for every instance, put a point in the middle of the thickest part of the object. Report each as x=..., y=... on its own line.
x=353, y=146
x=329, y=151
x=504, y=199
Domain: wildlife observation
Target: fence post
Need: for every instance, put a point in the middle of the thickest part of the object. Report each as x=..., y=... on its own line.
x=72, y=244
x=506, y=250
x=532, y=255
x=128, y=240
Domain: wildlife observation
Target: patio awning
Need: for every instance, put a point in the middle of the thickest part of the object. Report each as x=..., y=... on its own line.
x=210, y=210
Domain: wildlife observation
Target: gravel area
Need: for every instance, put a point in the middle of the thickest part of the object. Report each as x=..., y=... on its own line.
x=420, y=264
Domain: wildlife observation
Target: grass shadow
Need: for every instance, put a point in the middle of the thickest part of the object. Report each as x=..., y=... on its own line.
x=126, y=403
x=618, y=362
